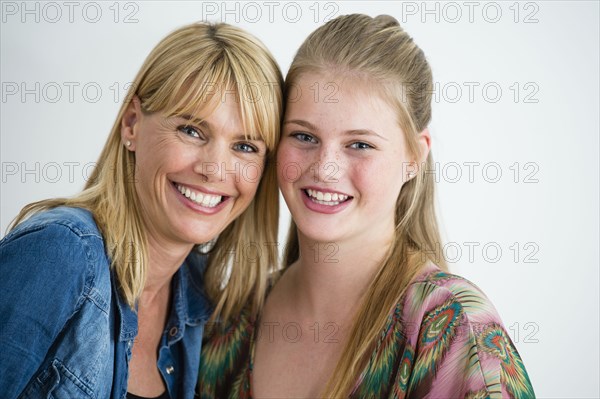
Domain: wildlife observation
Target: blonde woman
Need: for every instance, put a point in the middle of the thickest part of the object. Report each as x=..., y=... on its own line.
x=361, y=309
x=105, y=295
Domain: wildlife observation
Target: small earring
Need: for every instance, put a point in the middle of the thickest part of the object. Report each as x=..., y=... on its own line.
x=128, y=143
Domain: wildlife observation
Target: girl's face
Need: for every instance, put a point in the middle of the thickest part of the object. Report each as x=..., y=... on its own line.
x=195, y=174
x=342, y=160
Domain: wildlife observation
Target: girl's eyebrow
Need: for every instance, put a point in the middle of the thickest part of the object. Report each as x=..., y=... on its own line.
x=363, y=132
x=353, y=132
x=303, y=123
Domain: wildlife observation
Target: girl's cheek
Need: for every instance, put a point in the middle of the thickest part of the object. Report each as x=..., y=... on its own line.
x=289, y=167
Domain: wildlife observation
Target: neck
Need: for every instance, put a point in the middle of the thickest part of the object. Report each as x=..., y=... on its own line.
x=164, y=259
x=329, y=279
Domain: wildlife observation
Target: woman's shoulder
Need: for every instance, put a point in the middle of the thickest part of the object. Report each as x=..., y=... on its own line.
x=62, y=240
x=79, y=221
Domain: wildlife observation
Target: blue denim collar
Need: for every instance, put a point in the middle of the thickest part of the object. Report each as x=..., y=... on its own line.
x=196, y=307
x=190, y=304
x=127, y=316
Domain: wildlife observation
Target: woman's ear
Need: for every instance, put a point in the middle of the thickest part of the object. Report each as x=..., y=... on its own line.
x=130, y=123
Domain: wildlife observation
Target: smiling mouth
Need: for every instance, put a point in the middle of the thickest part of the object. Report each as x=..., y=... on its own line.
x=328, y=199
x=202, y=199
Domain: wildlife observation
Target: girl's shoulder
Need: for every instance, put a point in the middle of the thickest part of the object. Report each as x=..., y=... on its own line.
x=448, y=340
x=435, y=290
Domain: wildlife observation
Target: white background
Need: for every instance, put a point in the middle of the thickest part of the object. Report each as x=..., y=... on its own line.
x=543, y=56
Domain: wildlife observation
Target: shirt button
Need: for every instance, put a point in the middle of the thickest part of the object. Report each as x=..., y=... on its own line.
x=170, y=369
x=173, y=331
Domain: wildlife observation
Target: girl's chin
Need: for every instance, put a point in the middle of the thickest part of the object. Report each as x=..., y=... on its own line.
x=324, y=233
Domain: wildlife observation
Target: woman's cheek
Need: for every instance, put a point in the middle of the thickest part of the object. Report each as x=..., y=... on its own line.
x=251, y=174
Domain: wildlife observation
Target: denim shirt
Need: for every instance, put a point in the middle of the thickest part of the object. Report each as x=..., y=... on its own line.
x=66, y=331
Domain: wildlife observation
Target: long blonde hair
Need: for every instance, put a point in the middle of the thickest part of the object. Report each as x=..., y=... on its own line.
x=379, y=50
x=184, y=70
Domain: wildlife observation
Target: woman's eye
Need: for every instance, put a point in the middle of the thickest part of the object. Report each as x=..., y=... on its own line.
x=304, y=137
x=190, y=131
x=245, y=147
x=359, y=145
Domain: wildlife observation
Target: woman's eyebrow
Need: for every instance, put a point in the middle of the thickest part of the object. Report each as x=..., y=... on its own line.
x=205, y=124
x=248, y=137
x=194, y=120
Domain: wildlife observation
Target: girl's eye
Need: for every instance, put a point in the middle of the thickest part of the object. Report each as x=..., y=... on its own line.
x=190, y=131
x=245, y=147
x=359, y=145
x=304, y=137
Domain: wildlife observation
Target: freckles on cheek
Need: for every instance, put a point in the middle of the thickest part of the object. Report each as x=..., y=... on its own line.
x=287, y=173
x=289, y=167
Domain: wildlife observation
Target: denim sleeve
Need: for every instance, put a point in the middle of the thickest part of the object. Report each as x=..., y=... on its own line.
x=43, y=276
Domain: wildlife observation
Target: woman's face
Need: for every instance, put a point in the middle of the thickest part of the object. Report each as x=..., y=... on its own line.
x=342, y=160
x=195, y=174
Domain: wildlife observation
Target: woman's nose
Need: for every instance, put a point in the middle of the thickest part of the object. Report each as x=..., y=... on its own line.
x=215, y=163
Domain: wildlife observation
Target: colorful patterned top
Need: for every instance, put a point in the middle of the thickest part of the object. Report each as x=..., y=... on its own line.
x=444, y=339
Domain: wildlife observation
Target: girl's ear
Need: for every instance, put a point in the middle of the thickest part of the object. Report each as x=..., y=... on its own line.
x=424, y=142
x=424, y=145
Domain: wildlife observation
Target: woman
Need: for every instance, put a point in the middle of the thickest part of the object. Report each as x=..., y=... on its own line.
x=361, y=309
x=105, y=294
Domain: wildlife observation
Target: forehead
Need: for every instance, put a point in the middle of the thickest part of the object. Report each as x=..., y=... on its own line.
x=340, y=103
x=200, y=100
x=221, y=106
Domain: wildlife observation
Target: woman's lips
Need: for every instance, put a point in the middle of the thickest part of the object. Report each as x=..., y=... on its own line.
x=200, y=201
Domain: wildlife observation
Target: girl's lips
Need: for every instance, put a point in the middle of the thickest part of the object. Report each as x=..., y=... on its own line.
x=312, y=204
x=325, y=196
x=324, y=190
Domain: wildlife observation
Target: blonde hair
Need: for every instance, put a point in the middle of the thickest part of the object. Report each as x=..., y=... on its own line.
x=381, y=52
x=180, y=76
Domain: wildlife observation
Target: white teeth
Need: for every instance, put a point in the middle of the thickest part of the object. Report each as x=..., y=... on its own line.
x=326, y=198
x=208, y=201
x=327, y=203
